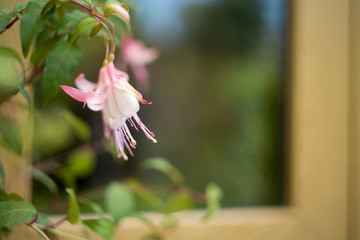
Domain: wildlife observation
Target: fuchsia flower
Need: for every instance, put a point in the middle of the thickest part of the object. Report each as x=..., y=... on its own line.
x=137, y=56
x=119, y=103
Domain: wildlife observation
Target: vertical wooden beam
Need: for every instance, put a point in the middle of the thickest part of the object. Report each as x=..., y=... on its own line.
x=16, y=179
x=320, y=117
x=354, y=135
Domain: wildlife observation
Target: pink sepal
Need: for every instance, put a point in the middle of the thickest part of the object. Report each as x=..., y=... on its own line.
x=83, y=84
x=81, y=96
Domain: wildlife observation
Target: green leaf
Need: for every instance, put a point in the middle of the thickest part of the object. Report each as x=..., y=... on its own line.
x=42, y=51
x=10, y=134
x=2, y=173
x=119, y=201
x=85, y=25
x=95, y=30
x=15, y=212
x=102, y=226
x=31, y=23
x=9, y=197
x=9, y=52
x=81, y=163
x=96, y=208
x=43, y=219
x=164, y=166
x=60, y=63
x=11, y=74
x=214, y=195
x=26, y=96
x=79, y=126
x=19, y=7
x=73, y=211
x=5, y=19
x=44, y=179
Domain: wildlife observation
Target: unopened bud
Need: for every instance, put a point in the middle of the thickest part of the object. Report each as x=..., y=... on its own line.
x=120, y=10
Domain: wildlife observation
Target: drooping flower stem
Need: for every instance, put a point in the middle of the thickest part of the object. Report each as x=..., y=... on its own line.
x=107, y=40
x=114, y=42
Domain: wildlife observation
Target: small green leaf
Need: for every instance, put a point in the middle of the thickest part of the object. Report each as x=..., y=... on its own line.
x=96, y=208
x=15, y=212
x=26, y=96
x=10, y=134
x=95, y=30
x=102, y=226
x=43, y=219
x=19, y=7
x=31, y=23
x=44, y=179
x=85, y=25
x=2, y=173
x=9, y=197
x=9, y=52
x=79, y=126
x=73, y=211
x=214, y=195
x=60, y=63
x=81, y=163
x=5, y=19
x=164, y=166
x=42, y=51
x=119, y=201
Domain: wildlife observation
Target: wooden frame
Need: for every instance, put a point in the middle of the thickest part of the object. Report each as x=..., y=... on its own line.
x=325, y=109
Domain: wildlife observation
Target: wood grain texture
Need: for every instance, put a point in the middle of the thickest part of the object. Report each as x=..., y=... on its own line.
x=354, y=137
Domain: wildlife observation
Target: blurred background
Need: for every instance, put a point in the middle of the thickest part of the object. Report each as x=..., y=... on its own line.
x=218, y=101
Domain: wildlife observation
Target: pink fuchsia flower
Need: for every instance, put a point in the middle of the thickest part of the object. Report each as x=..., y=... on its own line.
x=119, y=103
x=136, y=55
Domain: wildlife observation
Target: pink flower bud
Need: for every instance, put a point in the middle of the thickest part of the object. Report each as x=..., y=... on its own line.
x=120, y=10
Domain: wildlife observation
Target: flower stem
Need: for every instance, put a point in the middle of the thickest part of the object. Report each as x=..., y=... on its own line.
x=108, y=39
x=114, y=42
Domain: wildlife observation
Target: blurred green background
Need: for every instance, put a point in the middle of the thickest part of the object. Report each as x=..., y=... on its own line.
x=218, y=103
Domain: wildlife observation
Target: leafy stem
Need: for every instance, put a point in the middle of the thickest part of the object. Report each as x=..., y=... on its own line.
x=42, y=228
x=89, y=9
x=10, y=24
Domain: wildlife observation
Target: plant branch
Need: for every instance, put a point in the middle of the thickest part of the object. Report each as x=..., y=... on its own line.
x=10, y=24
x=36, y=228
x=58, y=232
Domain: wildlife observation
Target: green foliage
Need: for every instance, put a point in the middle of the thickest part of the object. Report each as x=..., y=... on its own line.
x=15, y=212
x=5, y=19
x=96, y=208
x=31, y=24
x=73, y=210
x=85, y=25
x=214, y=195
x=10, y=134
x=60, y=63
x=9, y=197
x=164, y=166
x=44, y=179
x=9, y=52
x=119, y=201
x=78, y=125
x=102, y=226
x=2, y=174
